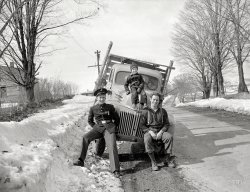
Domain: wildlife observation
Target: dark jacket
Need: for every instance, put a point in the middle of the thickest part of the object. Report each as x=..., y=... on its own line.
x=100, y=113
x=154, y=121
x=134, y=80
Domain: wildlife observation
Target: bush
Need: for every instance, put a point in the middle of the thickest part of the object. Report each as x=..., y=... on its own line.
x=20, y=112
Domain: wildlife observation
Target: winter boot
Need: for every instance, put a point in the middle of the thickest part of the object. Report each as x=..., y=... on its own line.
x=80, y=163
x=172, y=162
x=153, y=162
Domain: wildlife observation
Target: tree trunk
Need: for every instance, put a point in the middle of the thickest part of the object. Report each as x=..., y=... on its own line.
x=30, y=94
x=242, y=87
x=206, y=87
x=206, y=93
x=220, y=82
x=215, y=86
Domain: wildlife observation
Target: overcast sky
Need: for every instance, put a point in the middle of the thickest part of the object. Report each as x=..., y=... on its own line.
x=138, y=28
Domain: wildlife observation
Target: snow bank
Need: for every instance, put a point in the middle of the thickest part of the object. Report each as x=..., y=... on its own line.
x=241, y=106
x=37, y=153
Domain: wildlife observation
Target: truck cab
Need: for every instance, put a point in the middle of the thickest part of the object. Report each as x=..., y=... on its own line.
x=118, y=75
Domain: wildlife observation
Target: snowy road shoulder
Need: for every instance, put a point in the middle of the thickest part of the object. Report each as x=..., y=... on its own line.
x=37, y=153
x=241, y=106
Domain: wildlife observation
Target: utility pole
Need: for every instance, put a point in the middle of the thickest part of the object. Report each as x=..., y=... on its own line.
x=97, y=52
x=98, y=59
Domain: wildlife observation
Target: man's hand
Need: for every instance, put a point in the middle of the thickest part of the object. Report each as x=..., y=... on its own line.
x=127, y=92
x=139, y=90
x=159, y=135
x=153, y=135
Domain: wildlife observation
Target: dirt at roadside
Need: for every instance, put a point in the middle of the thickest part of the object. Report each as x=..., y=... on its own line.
x=137, y=175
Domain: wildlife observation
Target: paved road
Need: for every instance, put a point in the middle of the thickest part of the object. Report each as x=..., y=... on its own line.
x=213, y=149
x=213, y=155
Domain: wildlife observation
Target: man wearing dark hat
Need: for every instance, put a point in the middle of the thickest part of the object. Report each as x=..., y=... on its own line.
x=104, y=119
x=135, y=85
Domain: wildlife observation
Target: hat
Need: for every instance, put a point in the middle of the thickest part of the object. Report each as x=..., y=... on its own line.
x=101, y=91
x=133, y=65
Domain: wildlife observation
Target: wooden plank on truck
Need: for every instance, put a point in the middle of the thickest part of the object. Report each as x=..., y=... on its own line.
x=167, y=75
x=98, y=83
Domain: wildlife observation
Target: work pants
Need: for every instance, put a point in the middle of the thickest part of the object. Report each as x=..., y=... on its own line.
x=110, y=139
x=152, y=145
x=135, y=96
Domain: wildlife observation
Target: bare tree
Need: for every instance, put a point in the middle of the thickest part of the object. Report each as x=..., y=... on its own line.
x=219, y=30
x=201, y=41
x=188, y=49
x=5, y=23
x=31, y=24
x=189, y=43
x=186, y=86
x=238, y=14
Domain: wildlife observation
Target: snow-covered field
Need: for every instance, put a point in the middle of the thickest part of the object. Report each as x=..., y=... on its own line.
x=37, y=153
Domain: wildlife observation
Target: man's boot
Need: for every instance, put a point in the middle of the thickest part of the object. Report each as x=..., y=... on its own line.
x=79, y=162
x=117, y=174
x=153, y=162
x=166, y=159
x=170, y=161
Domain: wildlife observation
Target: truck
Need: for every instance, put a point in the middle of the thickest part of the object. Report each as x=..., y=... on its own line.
x=112, y=76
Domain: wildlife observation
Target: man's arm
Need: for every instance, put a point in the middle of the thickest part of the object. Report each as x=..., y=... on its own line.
x=166, y=123
x=91, y=117
x=143, y=122
x=114, y=115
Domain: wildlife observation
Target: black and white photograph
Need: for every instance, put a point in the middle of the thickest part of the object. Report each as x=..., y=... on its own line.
x=124, y=95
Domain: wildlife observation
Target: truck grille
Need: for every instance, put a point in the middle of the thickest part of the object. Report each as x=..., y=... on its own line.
x=129, y=124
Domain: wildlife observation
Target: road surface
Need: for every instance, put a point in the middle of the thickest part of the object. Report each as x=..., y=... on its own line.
x=213, y=154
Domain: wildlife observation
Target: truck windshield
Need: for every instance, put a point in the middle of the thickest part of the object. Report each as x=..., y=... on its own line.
x=150, y=83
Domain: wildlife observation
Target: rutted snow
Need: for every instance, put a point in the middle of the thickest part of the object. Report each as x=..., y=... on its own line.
x=37, y=153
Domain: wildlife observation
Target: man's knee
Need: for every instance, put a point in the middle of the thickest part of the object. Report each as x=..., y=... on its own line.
x=148, y=142
x=147, y=138
x=86, y=139
x=166, y=137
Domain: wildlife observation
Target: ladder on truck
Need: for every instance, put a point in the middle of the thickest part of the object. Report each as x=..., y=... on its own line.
x=112, y=59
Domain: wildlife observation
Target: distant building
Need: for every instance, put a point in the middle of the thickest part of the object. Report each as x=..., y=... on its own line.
x=10, y=91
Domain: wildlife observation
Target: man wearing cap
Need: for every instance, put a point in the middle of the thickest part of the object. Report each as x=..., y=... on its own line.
x=104, y=119
x=136, y=84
